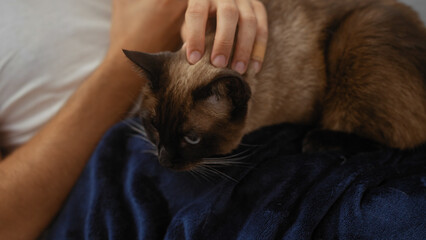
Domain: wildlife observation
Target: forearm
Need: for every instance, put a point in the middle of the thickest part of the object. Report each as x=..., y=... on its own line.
x=36, y=178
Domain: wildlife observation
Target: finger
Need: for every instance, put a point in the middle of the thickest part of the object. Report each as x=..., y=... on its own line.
x=227, y=19
x=195, y=20
x=259, y=47
x=247, y=26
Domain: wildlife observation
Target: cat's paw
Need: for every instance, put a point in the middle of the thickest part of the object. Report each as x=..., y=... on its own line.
x=327, y=141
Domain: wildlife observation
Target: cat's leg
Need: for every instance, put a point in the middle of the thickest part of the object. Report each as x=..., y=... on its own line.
x=376, y=68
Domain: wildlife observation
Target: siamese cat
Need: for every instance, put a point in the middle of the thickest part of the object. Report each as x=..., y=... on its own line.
x=350, y=67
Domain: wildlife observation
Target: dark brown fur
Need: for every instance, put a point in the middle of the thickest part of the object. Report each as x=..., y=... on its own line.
x=349, y=66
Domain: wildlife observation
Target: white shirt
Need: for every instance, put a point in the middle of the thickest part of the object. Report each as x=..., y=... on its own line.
x=47, y=48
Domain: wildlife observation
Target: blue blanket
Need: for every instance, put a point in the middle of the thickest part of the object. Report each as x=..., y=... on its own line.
x=278, y=193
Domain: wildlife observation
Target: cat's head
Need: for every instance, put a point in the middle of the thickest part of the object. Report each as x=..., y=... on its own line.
x=190, y=112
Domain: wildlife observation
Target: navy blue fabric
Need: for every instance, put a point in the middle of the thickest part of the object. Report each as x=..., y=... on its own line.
x=282, y=194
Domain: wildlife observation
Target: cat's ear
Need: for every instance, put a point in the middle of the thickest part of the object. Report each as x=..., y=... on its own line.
x=239, y=92
x=152, y=65
x=231, y=87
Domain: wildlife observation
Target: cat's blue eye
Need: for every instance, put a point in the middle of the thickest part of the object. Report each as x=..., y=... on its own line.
x=192, y=139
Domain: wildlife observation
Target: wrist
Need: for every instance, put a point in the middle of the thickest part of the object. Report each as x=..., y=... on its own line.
x=108, y=93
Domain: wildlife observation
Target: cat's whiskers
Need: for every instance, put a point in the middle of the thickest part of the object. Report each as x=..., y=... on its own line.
x=234, y=156
x=194, y=174
x=201, y=172
x=141, y=134
x=151, y=151
x=137, y=127
x=216, y=172
x=228, y=161
x=225, y=162
x=250, y=145
x=229, y=156
x=145, y=139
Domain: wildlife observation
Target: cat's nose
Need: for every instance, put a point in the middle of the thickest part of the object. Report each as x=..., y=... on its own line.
x=165, y=157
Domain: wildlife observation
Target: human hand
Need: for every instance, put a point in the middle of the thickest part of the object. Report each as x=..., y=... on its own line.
x=146, y=25
x=251, y=18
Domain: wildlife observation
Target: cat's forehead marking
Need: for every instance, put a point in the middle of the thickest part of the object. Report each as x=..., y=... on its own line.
x=185, y=77
x=207, y=113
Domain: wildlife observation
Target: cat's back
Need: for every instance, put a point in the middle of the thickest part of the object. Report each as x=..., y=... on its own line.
x=366, y=49
x=293, y=63
x=294, y=69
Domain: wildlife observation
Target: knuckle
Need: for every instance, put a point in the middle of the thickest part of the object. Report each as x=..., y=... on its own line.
x=195, y=10
x=257, y=5
x=262, y=31
x=229, y=9
x=249, y=20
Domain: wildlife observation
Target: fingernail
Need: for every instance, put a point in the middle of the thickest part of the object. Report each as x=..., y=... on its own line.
x=240, y=67
x=194, y=57
x=219, y=61
x=256, y=66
